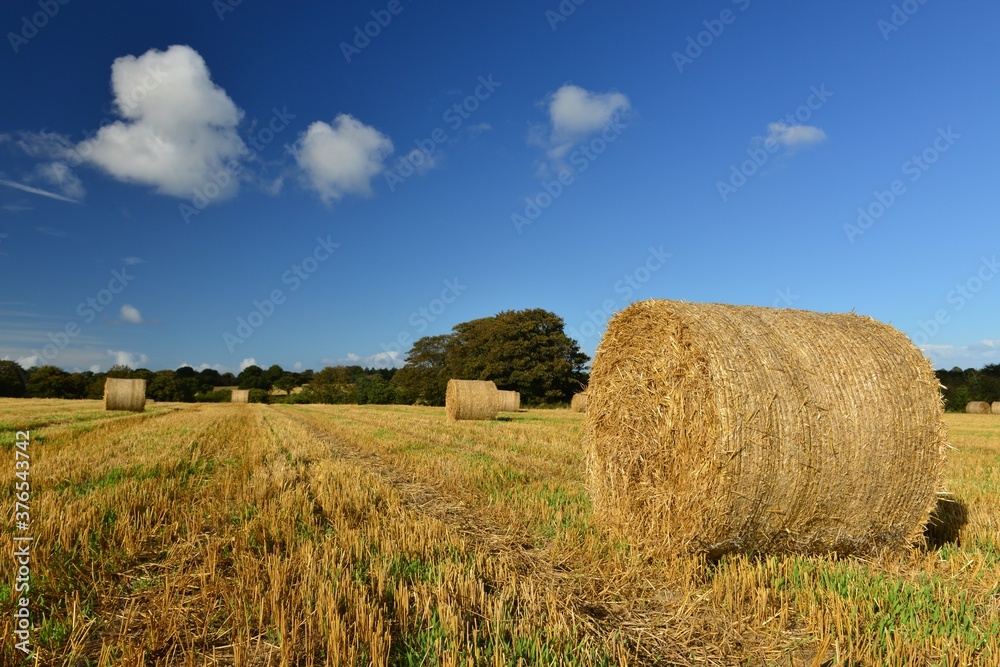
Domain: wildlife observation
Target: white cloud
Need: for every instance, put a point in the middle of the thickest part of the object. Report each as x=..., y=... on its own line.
x=124, y=358
x=28, y=362
x=202, y=367
x=96, y=368
x=574, y=115
x=794, y=136
x=574, y=111
x=59, y=175
x=388, y=359
x=178, y=128
x=131, y=314
x=479, y=128
x=297, y=366
x=341, y=158
x=131, y=261
x=975, y=355
x=51, y=145
x=246, y=363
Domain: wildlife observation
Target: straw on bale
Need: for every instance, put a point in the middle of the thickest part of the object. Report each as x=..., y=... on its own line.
x=996, y=407
x=471, y=399
x=978, y=408
x=240, y=396
x=579, y=402
x=510, y=401
x=715, y=428
x=124, y=394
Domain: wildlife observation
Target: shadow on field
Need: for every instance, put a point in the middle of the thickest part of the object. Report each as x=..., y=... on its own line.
x=947, y=520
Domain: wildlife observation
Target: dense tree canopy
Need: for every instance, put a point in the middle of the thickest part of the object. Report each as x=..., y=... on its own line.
x=525, y=350
x=12, y=379
x=962, y=386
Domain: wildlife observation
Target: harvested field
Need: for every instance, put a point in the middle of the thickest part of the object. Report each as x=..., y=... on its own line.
x=315, y=535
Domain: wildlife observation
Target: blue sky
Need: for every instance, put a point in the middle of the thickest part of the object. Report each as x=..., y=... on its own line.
x=168, y=168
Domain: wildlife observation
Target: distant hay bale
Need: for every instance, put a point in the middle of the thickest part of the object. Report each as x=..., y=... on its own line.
x=240, y=396
x=996, y=407
x=510, y=401
x=579, y=402
x=472, y=399
x=715, y=428
x=123, y=394
x=978, y=408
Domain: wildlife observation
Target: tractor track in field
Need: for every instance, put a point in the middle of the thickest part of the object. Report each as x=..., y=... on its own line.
x=647, y=629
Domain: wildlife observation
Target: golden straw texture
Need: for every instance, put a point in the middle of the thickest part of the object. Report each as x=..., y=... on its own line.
x=978, y=408
x=472, y=399
x=579, y=402
x=240, y=396
x=715, y=428
x=510, y=401
x=123, y=394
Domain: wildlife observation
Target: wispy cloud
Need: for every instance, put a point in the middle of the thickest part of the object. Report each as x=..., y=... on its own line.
x=36, y=191
x=389, y=359
x=52, y=231
x=794, y=136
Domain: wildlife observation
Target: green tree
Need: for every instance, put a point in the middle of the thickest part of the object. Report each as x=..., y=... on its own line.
x=252, y=377
x=274, y=373
x=524, y=350
x=120, y=371
x=12, y=379
x=424, y=378
x=53, y=382
x=373, y=388
x=335, y=384
x=286, y=383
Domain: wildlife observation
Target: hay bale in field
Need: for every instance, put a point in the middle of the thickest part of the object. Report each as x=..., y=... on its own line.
x=996, y=407
x=510, y=401
x=715, y=428
x=240, y=396
x=579, y=402
x=123, y=394
x=978, y=408
x=471, y=399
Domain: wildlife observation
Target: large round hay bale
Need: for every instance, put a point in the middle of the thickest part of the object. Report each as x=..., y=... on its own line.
x=124, y=394
x=715, y=428
x=996, y=407
x=471, y=399
x=579, y=402
x=240, y=396
x=978, y=408
x=510, y=401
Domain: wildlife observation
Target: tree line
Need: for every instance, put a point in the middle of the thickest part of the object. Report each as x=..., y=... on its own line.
x=962, y=386
x=526, y=351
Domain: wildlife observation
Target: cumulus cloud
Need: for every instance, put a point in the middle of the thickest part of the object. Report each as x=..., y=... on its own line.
x=28, y=362
x=574, y=111
x=341, y=158
x=123, y=358
x=178, y=128
x=247, y=363
x=131, y=314
x=575, y=114
x=794, y=136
